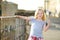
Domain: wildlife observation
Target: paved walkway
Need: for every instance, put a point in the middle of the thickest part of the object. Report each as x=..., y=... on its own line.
x=52, y=34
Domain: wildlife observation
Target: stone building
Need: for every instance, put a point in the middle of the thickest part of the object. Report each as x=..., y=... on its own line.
x=52, y=6
x=25, y=12
x=8, y=8
x=11, y=28
x=0, y=19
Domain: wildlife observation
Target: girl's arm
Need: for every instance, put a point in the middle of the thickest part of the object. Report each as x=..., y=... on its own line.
x=23, y=17
x=46, y=26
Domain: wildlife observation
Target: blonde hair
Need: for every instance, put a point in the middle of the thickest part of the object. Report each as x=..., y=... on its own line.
x=36, y=13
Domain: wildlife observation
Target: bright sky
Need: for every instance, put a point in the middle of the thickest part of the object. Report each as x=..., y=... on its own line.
x=28, y=4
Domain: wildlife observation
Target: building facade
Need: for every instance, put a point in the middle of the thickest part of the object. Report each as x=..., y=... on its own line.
x=8, y=8
x=11, y=28
x=53, y=6
x=0, y=19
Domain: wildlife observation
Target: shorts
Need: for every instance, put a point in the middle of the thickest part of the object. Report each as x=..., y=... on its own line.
x=35, y=38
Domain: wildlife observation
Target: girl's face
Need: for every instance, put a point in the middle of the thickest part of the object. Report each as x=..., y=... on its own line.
x=40, y=14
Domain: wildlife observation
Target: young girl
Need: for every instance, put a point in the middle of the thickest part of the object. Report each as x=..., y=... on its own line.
x=38, y=24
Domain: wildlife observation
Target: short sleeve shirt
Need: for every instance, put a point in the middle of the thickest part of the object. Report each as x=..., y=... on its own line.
x=36, y=27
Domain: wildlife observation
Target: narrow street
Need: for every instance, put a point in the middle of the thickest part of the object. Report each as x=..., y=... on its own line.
x=54, y=31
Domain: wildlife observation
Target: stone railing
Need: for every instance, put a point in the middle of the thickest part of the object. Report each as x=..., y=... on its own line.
x=12, y=28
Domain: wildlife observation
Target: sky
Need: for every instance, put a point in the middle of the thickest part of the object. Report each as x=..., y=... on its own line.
x=28, y=4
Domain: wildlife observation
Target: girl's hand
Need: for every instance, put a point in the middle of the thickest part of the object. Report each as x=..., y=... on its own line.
x=46, y=27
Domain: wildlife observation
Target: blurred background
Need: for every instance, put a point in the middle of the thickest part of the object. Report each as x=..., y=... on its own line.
x=18, y=29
